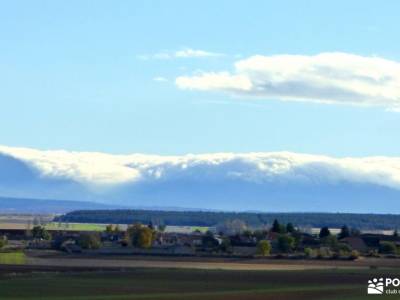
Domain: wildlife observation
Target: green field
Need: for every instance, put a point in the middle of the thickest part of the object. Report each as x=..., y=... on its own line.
x=13, y=223
x=157, y=284
x=13, y=258
x=75, y=226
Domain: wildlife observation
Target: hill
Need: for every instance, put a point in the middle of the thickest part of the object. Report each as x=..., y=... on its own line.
x=26, y=205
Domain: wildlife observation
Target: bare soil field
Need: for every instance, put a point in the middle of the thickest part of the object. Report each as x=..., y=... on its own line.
x=58, y=276
x=61, y=283
x=41, y=258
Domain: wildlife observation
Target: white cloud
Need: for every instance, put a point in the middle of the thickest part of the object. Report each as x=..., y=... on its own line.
x=160, y=79
x=183, y=53
x=330, y=78
x=216, y=81
x=106, y=169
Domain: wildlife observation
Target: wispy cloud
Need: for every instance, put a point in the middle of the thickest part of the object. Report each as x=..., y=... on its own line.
x=183, y=53
x=160, y=79
x=330, y=78
x=195, y=53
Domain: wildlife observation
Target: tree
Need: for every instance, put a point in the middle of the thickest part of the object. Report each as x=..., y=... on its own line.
x=161, y=227
x=285, y=243
x=355, y=232
x=260, y=234
x=247, y=233
x=132, y=234
x=395, y=233
x=276, y=227
x=290, y=228
x=324, y=232
x=117, y=229
x=344, y=232
x=330, y=241
x=151, y=226
x=140, y=236
x=109, y=229
x=298, y=238
x=226, y=245
x=89, y=240
x=209, y=241
x=231, y=227
x=263, y=247
x=146, y=237
x=39, y=232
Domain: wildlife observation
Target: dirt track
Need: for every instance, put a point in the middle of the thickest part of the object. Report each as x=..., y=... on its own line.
x=118, y=263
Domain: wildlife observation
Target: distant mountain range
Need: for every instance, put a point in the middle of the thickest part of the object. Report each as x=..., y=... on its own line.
x=36, y=206
x=45, y=206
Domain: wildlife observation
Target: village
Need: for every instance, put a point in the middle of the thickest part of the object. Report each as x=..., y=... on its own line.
x=231, y=239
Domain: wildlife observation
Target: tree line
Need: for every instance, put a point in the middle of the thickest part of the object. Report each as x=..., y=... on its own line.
x=253, y=219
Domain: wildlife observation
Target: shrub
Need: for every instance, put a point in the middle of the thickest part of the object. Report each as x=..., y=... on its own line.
x=354, y=255
x=89, y=241
x=308, y=252
x=336, y=255
x=373, y=253
x=387, y=247
x=3, y=241
x=324, y=252
x=344, y=247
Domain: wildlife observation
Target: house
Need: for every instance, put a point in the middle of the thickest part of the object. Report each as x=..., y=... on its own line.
x=374, y=240
x=178, y=239
x=40, y=244
x=243, y=241
x=356, y=243
x=14, y=234
x=309, y=241
x=71, y=248
x=112, y=236
x=244, y=250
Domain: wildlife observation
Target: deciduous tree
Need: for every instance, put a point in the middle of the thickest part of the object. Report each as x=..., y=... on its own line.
x=263, y=247
x=285, y=243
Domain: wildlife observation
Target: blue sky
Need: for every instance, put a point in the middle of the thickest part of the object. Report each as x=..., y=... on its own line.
x=73, y=76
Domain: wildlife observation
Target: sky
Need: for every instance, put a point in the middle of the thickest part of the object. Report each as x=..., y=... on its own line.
x=178, y=77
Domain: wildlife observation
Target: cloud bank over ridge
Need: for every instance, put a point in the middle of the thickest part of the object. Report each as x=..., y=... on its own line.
x=236, y=181
x=329, y=78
